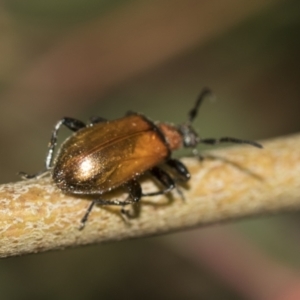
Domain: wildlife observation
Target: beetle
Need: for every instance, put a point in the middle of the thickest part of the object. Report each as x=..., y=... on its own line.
x=103, y=155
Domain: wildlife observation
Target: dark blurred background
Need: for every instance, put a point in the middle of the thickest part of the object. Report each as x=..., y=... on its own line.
x=86, y=57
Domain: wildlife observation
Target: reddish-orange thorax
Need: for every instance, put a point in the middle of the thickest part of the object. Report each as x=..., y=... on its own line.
x=172, y=135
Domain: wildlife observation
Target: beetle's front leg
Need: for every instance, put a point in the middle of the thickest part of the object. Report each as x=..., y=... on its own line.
x=179, y=168
x=70, y=123
x=164, y=178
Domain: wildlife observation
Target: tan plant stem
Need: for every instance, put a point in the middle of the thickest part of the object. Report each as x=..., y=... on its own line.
x=229, y=184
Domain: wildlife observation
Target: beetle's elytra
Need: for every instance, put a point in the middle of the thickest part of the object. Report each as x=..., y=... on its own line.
x=104, y=155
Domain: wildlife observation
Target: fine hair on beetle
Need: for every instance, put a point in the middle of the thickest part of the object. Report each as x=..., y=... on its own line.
x=103, y=155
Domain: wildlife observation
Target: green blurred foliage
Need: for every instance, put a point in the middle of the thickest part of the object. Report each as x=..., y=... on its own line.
x=62, y=12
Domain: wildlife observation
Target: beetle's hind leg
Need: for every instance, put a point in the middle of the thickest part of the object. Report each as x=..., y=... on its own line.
x=70, y=123
x=135, y=194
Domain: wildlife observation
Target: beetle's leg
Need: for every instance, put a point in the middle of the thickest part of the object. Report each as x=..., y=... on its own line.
x=180, y=169
x=71, y=124
x=130, y=113
x=164, y=178
x=135, y=193
x=96, y=119
x=229, y=140
x=101, y=202
x=86, y=215
x=135, y=190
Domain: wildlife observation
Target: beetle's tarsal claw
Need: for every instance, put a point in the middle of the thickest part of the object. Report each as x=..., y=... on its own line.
x=125, y=214
x=25, y=175
x=180, y=193
x=255, y=144
x=82, y=225
x=83, y=222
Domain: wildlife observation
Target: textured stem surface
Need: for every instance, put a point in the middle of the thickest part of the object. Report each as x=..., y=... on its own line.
x=230, y=183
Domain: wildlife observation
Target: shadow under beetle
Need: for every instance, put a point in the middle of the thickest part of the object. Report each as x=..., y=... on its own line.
x=104, y=155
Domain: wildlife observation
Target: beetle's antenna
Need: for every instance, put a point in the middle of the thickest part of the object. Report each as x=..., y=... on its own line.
x=211, y=141
x=194, y=111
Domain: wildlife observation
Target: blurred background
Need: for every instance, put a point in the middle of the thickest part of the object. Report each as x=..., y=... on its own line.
x=86, y=57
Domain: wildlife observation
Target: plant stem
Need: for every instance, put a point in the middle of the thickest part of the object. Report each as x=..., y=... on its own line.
x=230, y=184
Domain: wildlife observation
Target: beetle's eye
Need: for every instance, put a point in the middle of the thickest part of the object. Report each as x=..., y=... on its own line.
x=190, y=137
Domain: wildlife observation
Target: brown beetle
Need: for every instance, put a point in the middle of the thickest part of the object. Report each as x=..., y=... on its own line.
x=105, y=155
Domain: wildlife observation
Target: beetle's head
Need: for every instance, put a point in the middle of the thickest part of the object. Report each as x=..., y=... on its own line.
x=190, y=138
